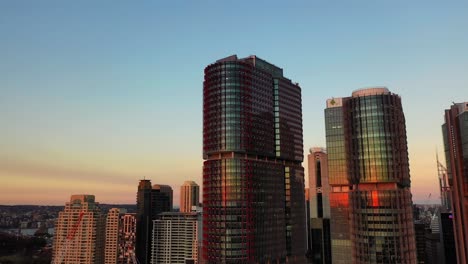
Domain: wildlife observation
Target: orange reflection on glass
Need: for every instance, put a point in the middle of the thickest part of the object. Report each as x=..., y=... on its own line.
x=375, y=198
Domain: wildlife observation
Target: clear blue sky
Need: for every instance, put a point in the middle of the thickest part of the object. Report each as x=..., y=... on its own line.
x=94, y=95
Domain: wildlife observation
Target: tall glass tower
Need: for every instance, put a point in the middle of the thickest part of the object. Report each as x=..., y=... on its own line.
x=338, y=181
x=455, y=134
x=151, y=201
x=253, y=180
x=374, y=158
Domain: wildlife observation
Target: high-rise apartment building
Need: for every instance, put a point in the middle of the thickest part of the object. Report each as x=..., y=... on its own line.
x=455, y=134
x=175, y=238
x=112, y=236
x=319, y=196
x=79, y=232
x=370, y=200
x=120, y=237
x=189, y=196
x=253, y=180
x=151, y=201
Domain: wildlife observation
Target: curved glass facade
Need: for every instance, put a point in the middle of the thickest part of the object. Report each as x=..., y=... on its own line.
x=253, y=180
x=380, y=200
x=377, y=140
x=238, y=105
x=370, y=202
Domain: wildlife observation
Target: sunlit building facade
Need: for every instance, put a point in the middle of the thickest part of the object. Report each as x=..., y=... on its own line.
x=378, y=182
x=120, y=237
x=175, y=238
x=79, y=232
x=455, y=134
x=189, y=196
x=253, y=180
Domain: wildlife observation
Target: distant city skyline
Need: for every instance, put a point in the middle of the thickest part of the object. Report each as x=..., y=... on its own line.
x=98, y=95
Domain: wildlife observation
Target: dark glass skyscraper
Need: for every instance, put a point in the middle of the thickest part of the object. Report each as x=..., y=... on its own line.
x=253, y=180
x=151, y=201
x=455, y=134
x=143, y=235
x=368, y=165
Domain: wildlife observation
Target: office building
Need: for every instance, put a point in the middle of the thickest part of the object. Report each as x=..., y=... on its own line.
x=338, y=180
x=455, y=135
x=162, y=197
x=144, y=222
x=175, y=238
x=253, y=180
x=447, y=240
x=420, y=237
x=370, y=200
x=189, y=196
x=151, y=201
x=161, y=200
x=433, y=248
x=79, y=232
x=319, y=195
x=120, y=237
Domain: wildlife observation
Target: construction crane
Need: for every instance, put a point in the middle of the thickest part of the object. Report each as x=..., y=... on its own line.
x=444, y=185
x=68, y=240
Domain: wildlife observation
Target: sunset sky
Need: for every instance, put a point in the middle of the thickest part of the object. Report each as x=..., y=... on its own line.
x=95, y=95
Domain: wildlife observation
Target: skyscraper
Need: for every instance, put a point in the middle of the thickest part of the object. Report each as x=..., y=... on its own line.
x=368, y=168
x=120, y=237
x=455, y=134
x=253, y=180
x=144, y=224
x=338, y=180
x=112, y=236
x=319, y=192
x=175, y=238
x=151, y=201
x=161, y=199
x=79, y=232
x=189, y=196
x=447, y=239
x=420, y=238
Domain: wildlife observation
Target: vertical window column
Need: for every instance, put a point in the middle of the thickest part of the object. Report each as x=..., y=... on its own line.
x=277, y=117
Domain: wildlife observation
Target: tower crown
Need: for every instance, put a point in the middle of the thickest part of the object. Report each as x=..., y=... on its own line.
x=370, y=91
